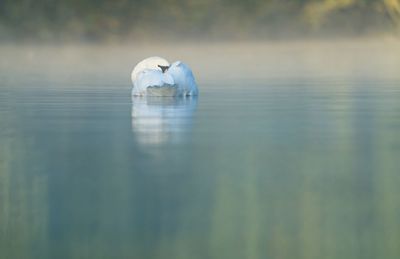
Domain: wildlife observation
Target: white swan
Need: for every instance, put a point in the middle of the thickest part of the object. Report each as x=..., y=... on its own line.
x=154, y=76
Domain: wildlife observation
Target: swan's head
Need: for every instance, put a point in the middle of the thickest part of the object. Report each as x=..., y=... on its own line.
x=155, y=63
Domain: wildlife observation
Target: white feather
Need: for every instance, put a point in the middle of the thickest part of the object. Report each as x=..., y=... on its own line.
x=149, y=79
x=183, y=77
x=148, y=63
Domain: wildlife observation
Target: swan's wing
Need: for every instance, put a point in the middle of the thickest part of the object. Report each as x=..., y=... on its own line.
x=150, y=78
x=183, y=78
x=191, y=87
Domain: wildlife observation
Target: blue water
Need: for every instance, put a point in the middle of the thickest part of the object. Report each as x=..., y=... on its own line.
x=259, y=165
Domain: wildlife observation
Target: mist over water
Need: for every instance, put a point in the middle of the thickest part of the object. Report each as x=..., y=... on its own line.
x=221, y=60
x=290, y=151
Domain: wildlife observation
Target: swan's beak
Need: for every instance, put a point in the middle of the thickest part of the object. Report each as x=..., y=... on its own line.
x=163, y=68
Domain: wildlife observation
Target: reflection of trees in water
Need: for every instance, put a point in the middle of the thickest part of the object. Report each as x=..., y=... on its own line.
x=258, y=198
x=314, y=202
x=23, y=198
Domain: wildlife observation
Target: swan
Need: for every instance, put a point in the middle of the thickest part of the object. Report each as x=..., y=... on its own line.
x=155, y=76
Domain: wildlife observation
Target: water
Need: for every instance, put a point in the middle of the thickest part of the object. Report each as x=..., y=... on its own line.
x=289, y=152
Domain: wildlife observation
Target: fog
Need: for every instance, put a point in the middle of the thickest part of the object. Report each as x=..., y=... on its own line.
x=112, y=63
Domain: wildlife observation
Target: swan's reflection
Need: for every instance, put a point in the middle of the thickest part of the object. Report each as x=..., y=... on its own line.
x=157, y=120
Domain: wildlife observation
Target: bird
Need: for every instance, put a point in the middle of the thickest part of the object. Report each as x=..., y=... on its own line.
x=155, y=76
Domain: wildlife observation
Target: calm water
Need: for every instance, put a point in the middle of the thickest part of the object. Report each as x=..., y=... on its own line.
x=289, y=152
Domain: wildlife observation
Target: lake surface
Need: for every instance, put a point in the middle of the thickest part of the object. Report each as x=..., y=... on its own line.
x=290, y=151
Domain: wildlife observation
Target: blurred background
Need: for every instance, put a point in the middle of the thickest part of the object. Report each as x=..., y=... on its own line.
x=291, y=149
x=120, y=20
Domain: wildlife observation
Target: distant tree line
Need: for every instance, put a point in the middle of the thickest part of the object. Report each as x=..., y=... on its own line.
x=207, y=19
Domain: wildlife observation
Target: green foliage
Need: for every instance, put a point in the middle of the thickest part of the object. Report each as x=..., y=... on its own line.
x=213, y=19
